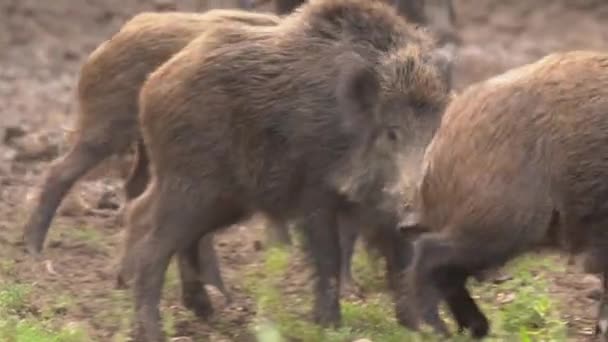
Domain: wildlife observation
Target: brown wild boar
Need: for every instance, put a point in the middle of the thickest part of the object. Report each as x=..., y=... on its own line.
x=107, y=124
x=300, y=121
x=107, y=95
x=513, y=156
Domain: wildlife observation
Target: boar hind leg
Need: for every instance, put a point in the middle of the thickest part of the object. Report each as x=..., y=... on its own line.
x=139, y=220
x=194, y=294
x=460, y=303
x=210, y=267
x=61, y=176
x=180, y=214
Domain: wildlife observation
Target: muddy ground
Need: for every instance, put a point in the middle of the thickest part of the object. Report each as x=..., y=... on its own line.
x=42, y=44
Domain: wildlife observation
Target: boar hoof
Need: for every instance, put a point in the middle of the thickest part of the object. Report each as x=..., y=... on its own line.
x=437, y=324
x=327, y=318
x=199, y=304
x=479, y=327
x=407, y=320
x=147, y=332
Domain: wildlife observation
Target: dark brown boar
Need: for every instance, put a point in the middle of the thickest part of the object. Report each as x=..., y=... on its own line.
x=517, y=161
x=300, y=121
x=412, y=10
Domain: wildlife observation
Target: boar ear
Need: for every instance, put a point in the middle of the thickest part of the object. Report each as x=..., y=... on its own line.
x=357, y=89
x=443, y=58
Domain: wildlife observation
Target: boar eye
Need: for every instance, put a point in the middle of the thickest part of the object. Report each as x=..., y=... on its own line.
x=392, y=134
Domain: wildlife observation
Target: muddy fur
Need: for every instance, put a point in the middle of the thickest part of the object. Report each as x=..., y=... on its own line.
x=299, y=121
x=517, y=161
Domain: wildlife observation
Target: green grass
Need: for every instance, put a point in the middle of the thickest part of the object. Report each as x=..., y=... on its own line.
x=277, y=321
x=368, y=271
x=520, y=309
x=19, y=323
x=90, y=236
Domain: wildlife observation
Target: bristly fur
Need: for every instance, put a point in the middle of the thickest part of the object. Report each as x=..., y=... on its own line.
x=517, y=161
x=108, y=87
x=278, y=120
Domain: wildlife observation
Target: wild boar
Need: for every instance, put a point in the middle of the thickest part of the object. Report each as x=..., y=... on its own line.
x=518, y=160
x=318, y=115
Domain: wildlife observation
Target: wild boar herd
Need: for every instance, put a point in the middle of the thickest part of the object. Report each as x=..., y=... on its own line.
x=337, y=115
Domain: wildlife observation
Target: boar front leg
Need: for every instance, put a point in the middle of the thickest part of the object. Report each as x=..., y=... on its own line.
x=323, y=244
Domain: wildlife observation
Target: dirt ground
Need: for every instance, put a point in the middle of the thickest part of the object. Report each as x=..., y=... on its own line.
x=42, y=44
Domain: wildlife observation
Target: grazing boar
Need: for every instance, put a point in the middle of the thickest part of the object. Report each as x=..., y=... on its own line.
x=319, y=115
x=518, y=161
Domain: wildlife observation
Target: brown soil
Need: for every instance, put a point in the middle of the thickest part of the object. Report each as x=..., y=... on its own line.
x=42, y=44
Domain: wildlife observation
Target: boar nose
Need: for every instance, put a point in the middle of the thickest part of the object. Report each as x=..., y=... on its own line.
x=410, y=224
x=408, y=221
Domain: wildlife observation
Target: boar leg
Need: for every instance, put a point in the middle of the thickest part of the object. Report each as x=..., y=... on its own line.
x=209, y=272
x=349, y=231
x=139, y=175
x=397, y=251
x=135, y=185
x=595, y=262
x=277, y=232
x=139, y=220
x=438, y=273
x=460, y=303
x=323, y=244
x=60, y=178
x=180, y=215
x=194, y=294
x=210, y=267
